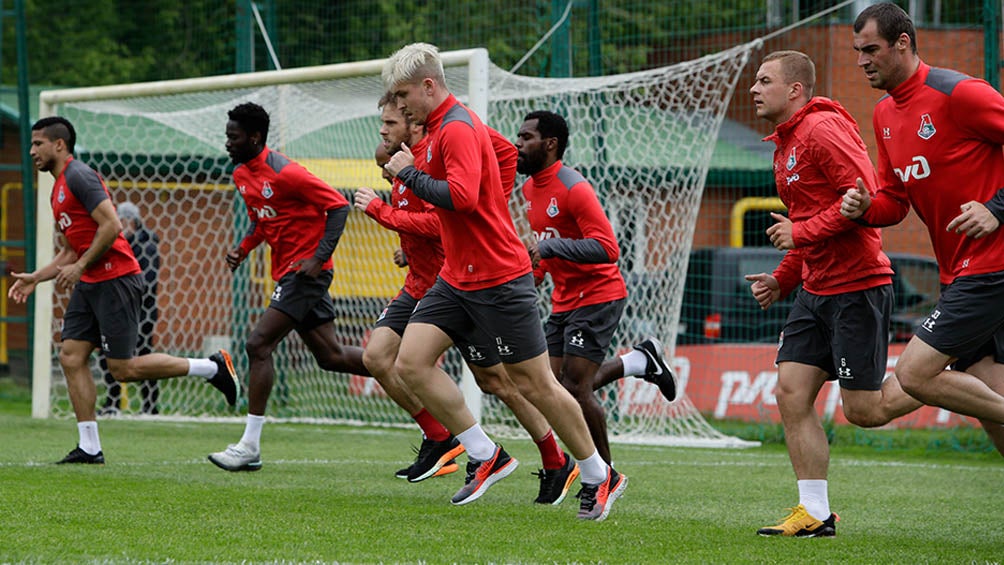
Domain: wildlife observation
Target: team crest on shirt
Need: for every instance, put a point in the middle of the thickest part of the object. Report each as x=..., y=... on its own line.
x=886, y=133
x=552, y=208
x=266, y=190
x=60, y=197
x=428, y=154
x=242, y=189
x=926, y=130
x=792, y=161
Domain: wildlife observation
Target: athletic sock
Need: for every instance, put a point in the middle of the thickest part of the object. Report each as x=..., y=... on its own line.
x=813, y=496
x=550, y=454
x=635, y=362
x=205, y=368
x=593, y=469
x=252, y=432
x=476, y=442
x=431, y=426
x=89, y=442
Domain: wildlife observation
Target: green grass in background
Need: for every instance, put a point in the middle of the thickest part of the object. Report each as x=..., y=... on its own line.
x=327, y=494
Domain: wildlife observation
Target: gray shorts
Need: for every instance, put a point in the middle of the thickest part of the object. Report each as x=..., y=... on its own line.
x=106, y=314
x=304, y=299
x=503, y=318
x=968, y=322
x=584, y=332
x=846, y=335
x=396, y=314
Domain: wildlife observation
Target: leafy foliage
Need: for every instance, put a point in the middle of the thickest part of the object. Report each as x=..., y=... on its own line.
x=95, y=42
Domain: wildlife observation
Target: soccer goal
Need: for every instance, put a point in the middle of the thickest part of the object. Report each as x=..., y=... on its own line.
x=643, y=139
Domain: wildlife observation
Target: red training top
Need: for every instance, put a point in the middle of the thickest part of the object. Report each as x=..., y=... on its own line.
x=479, y=238
x=939, y=140
x=562, y=204
x=819, y=156
x=77, y=192
x=289, y=205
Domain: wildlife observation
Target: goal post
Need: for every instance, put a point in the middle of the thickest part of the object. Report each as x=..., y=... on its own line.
x=114, y=100
x=644, y=140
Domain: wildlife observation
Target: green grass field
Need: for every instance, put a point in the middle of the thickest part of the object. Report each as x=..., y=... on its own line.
x=327, y=494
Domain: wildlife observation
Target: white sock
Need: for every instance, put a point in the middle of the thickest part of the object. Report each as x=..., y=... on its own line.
x=813, y=496
x=479, y=446
x=252, y=432
x=205, y=368
x=593, y=469
x=635, y=363
x=89, y=440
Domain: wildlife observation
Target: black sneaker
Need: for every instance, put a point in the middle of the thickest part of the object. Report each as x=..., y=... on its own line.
x=657, y=371
x=80, y=456
x=432, y=456
x=554, y=483
x=225, y=379
x=402, y=473
x=483, y=474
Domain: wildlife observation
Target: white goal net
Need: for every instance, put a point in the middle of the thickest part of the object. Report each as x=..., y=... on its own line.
x=643, y=139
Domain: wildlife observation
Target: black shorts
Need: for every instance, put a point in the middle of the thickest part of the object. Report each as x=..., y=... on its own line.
x=968, y=322
x=397, y=312
x=475, y=349
x=584, y=332
x=504, y=316
x=305, y=299
x=106, y=314
x=846, y=335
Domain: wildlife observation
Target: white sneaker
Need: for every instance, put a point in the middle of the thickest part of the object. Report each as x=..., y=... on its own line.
x=237, y=457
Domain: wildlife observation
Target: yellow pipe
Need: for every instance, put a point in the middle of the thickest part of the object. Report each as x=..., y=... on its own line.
x=744, y=205
x=4, y=255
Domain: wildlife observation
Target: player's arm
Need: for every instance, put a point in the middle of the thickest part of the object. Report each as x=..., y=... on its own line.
x=425, y=223
x=87, y=188
x=978, y=109
x=334, y=226
x=319, y=195
x=789, y=272
x=769, y=288
x=461, y=154
x=881, y=206
x=842, y=157
x=598, y=244
x=252, y=239
x=433, y=191
x=24, y=283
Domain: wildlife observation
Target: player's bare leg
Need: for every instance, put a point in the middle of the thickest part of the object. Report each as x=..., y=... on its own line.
x=331, y=354
x=577, y=374
x=921, y=371
x=379, y=357
x=74, y=357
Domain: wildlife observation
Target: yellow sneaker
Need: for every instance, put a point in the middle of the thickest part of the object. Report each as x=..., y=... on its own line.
x=801, y=524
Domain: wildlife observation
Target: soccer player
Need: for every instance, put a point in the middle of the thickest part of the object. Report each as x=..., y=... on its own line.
x=939, y=135
x=419, y=230
x=839, y=324
x=96, y=262
x=486, y=285
x=301, y=218
x=575, y=243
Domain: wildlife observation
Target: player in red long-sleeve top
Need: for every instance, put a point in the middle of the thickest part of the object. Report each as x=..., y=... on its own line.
x=839, y=324
x=97, y=263
x=301, y=218
x=419, y=229
x=575, y=244
x=486, y=285
x=939, y=136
